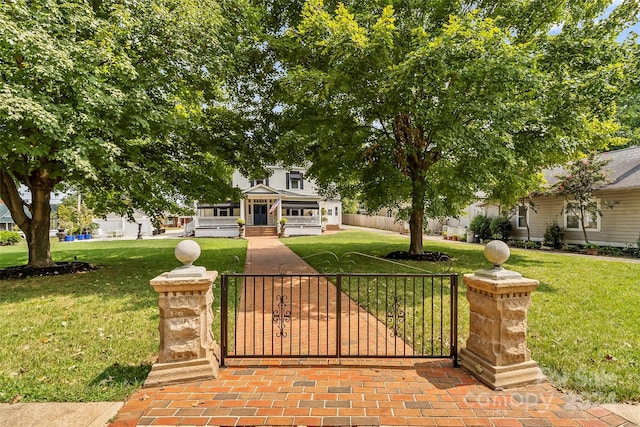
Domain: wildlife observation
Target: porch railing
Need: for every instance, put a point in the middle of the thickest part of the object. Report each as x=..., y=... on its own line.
x=220, y=221
x=302, y=220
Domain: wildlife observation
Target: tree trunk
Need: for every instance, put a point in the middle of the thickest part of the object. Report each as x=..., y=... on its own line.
x=36, y=224
x=39, y=226
x=414, y=158
x=526, y=223
x=417, y=215
x=584, y=230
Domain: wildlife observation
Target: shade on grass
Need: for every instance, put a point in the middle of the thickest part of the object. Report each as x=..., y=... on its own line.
x=90, y=336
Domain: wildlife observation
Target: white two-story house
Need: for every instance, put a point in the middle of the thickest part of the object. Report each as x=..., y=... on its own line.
x=285, y=193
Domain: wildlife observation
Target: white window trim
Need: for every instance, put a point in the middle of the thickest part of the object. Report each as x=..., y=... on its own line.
x=579, y=228
x=518, y=217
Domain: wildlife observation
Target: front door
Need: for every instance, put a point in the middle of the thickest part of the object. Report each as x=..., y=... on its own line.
x=259, y=214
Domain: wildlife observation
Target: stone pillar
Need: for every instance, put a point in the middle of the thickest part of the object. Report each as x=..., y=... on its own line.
x=188, y=351
x=496, y=352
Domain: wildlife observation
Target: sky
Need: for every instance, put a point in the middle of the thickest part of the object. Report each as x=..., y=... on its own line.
x=624, y=34
x=635, y=28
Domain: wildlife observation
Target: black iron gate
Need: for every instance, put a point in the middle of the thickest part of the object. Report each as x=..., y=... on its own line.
x=339, y=315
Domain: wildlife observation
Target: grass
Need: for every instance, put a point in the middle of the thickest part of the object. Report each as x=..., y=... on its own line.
x=90, y=336
x=584, y=326
x=93, y=336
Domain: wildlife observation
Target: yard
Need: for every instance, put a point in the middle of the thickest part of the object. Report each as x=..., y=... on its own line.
x=90, y=336
x=584, y=326
x=93, y=336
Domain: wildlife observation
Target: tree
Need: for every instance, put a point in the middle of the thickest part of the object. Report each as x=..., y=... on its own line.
x=418, y=105
x=73, y=214
x=583, y=179
x=629, y=103
x=124, y=100
x=517, y=191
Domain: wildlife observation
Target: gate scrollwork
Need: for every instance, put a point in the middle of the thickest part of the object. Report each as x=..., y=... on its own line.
x=395, y=316
x=281, y=315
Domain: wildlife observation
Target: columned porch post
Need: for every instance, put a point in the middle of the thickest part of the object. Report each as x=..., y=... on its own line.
x=279, y=201
x=242, y=203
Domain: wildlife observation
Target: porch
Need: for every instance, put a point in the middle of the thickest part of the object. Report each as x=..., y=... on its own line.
x=263, y=208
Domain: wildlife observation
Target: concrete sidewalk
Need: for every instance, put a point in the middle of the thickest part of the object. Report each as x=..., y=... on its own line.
x=93, y=414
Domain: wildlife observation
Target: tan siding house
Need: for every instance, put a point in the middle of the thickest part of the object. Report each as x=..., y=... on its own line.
x=618, y=226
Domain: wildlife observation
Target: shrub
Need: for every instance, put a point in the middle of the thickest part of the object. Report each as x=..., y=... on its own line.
x=9, y=238
x=553, y=235
x=481, y=226
x=531, y=245
x=500, y=227
x=611, y=250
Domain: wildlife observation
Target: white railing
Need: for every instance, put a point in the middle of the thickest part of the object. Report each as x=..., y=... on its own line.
x=190, y=227
x=302, y=220
x=219, y=221
x=455, y=230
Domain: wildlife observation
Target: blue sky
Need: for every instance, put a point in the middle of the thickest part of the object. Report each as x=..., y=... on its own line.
x=624, y=34
x=635, y=28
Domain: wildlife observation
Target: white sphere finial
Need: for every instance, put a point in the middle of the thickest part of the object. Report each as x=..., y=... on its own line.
x=497, y=252
x=187, y=251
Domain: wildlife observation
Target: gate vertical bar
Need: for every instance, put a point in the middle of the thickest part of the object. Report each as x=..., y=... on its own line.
x=223, y=317
x=254, y=315
x=338, y=314
x=454, y=319
x=441, y=316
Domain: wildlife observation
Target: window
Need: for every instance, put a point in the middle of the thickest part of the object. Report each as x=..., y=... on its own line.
x=205, y=212
x=295, y=181
x=263, y=181
x=329, y=212
x=591, y=216
x=336, y=211
x=523, y=216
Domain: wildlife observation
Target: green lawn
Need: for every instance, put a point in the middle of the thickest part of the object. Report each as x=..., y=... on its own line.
x=584, y=324
x=90, y=336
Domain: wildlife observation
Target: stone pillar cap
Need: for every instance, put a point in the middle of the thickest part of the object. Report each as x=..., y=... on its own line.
x=187, y=251
x=497, y=253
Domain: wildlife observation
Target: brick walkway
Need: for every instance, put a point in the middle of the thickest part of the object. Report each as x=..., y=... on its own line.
x=349, y=392
x=310, y=305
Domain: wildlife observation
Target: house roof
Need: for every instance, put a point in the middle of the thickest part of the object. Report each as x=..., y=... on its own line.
x=623, y=169
x=264, y=190
x=5, y=215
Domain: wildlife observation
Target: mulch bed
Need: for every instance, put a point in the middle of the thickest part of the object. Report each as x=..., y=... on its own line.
x=24, y=271
x=427, y=256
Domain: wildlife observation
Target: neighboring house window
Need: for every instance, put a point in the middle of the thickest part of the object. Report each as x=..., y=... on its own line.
x=329, y=212
x=523, y=216
x=295, y=181
x=336, y=211
x=591, y=220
